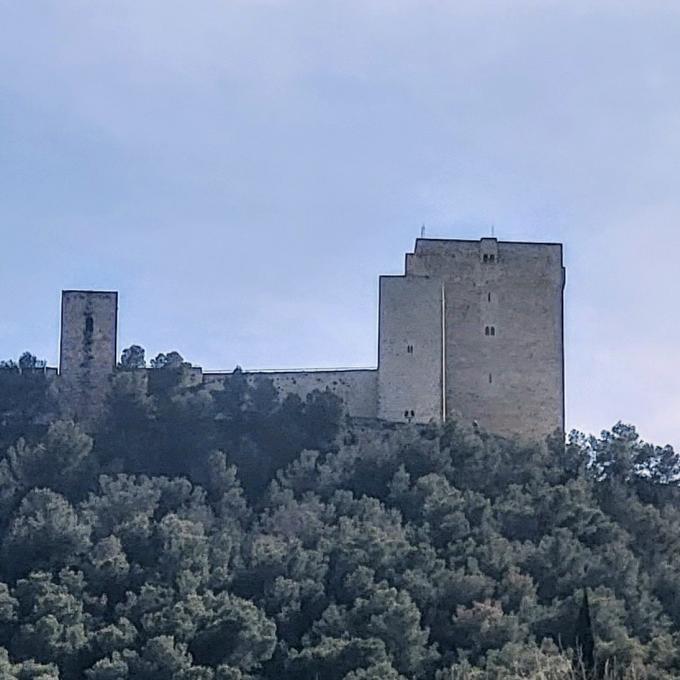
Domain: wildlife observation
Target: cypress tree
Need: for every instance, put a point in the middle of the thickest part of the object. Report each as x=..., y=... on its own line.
x=584, y=639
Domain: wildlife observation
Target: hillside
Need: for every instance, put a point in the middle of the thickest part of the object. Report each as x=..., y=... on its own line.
x=229, y=535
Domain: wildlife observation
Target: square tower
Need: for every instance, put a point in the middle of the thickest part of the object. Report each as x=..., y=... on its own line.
x=411, y=349
x=87, y=355
x=496, y=343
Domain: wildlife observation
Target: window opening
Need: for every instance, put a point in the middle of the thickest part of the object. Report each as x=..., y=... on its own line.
x=492, y=258
x=488, y=297
x=493, y=330
x=89, y=324
x=409, y=349
x=485, y=258
x=490, y=378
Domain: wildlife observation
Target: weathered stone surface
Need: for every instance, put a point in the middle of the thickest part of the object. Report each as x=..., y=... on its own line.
x=410, y=348
x=504, y=364
x=87, y=355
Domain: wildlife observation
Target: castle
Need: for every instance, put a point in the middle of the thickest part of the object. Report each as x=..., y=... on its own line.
x=473, y=330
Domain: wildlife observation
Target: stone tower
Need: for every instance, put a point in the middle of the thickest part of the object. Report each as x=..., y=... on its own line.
x=474, y=330
x=87, y=355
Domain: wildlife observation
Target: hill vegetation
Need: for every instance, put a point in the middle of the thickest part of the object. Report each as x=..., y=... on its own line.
x=232, y=535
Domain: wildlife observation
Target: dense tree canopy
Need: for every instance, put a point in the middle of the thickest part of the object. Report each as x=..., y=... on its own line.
x=229, y=533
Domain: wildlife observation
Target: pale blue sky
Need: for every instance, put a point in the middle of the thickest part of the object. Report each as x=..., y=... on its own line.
x=242, y=171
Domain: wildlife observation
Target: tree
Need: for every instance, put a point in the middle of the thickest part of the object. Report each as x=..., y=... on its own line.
x=333, y=658
x=381, y=671
x=61, y=462
x=234, y=632
x=28, y=362
x=584, y=638
x=163, y=658
x=218, y=532
x=171, y=360
x=53, y=626
x=46, y=531
x=132, y=358
x=27, y=400
x=27, y=670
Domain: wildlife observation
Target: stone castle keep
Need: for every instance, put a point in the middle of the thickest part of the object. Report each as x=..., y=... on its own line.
x=473, y=330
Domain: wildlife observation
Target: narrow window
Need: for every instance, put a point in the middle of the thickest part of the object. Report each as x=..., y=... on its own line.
x=487, y=331
x=89, y=324
x=409, y=349
x=493, y=330
x=406, y=414
x=485, y=258
x=490, y=378
x=492, y=258
x=413, y=413
x=488, y=297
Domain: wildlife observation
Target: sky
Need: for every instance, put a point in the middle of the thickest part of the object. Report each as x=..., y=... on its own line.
x=243, y=170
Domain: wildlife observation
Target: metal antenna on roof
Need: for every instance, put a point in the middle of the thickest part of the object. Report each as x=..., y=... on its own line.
x=422, y=231
x=493, y=231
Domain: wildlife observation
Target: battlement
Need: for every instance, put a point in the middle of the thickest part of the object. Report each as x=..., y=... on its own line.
x=448, y=257
x=472, y=330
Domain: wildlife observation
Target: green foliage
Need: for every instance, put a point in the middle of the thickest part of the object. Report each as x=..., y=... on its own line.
x=132, y=357
x=46, y=531
x=27, y=399
x=28, y=670
x=221, y=532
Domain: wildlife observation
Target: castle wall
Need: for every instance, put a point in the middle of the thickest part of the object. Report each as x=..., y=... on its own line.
x=473, y=330
x=410, y=349
x=356, y=387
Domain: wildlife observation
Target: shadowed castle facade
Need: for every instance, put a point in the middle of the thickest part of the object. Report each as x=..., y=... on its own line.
x=472, y=330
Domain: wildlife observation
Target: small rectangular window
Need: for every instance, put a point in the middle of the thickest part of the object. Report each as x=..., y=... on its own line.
x=490, y=378
x=409, y=349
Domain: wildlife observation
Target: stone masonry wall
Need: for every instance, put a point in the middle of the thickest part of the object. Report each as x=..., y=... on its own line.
x=504, y=347
x=87, y=354
x=410, y=349
x=356, y=387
